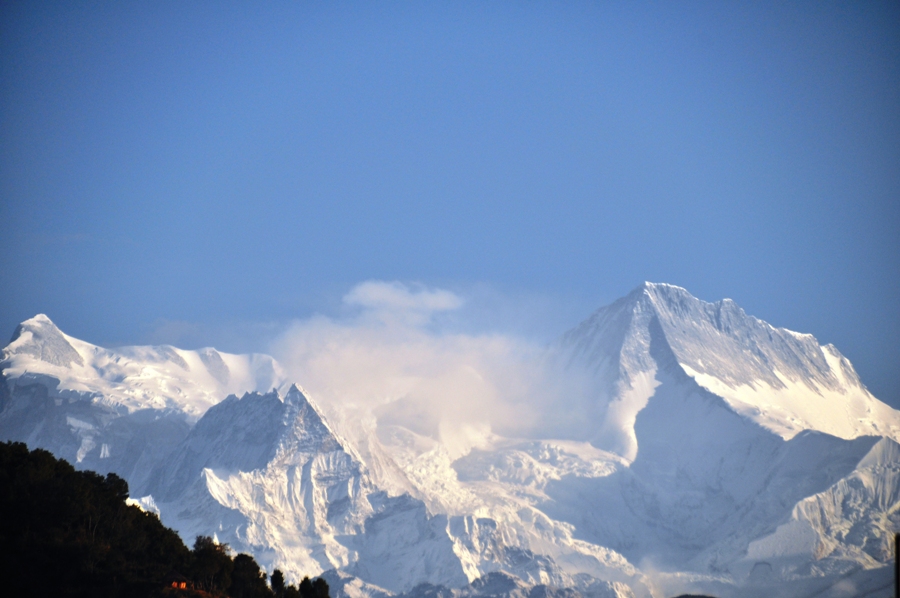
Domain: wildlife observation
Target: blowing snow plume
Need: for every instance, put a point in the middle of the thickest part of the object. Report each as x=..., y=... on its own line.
x=391, y=363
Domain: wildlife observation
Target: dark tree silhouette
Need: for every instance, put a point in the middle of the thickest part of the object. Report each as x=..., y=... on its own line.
x=313, y=589
x=69, y=533
x=320, y=588
x=306, y=588
x=247, y=580
x=277, y=582
x=211, y=566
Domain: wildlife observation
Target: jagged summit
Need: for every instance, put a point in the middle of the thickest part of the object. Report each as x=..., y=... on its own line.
x=269, y=427
x=267, y=470
x=718, y=339
x=781, y=379
x=40, y=338
x=40, y=324
x=39, y=320
x=301, y=411
x=295, y=395
x=653, y=287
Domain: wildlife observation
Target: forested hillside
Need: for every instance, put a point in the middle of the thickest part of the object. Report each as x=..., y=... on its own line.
x=65, y=532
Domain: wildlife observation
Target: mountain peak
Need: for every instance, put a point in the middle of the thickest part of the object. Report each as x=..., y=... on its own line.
x=718, y=339
x=40, y=338
x=38, y=322
x=647, y=298
x=659, y=287
x=42, y=319
x=295, y=395
x=781, y=378
x=268, y=425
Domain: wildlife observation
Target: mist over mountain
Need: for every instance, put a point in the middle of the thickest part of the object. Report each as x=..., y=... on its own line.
x=663, y=445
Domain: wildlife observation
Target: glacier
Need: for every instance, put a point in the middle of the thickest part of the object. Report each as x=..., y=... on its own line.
x=706, y=452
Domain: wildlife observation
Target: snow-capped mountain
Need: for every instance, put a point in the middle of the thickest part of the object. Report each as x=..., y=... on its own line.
x=129, y=379
x=707, y=452
x=266, y=471
x=118, y=409
x=780, y=379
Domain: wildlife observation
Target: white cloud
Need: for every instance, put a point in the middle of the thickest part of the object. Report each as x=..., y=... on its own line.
x=397, y=299
x=389, y=361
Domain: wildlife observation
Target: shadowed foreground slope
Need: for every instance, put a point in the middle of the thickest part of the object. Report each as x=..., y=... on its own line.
x=71, y=533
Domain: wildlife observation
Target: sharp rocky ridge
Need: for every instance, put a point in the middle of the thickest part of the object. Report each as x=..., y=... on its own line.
x=780, y=379
x=708, y=452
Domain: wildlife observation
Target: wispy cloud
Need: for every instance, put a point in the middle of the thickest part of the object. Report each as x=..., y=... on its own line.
x=386, y=360
x=395, y=297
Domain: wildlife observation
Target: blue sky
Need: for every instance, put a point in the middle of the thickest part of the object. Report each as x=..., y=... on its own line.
x=200, y=174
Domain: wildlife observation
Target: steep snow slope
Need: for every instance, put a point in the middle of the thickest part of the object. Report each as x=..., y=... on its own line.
x=237, y=475
x=129, y=379
x=266, y=474
x=269, y=476
x=780, y=379
x=707, y=452
x=492, y=495
x=734, y=430
x=852, y=520
x=114, y=410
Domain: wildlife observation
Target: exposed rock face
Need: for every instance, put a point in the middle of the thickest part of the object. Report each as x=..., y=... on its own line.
x=267, y=473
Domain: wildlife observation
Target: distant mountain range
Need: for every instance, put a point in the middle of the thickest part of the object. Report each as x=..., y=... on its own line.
x=710, y=453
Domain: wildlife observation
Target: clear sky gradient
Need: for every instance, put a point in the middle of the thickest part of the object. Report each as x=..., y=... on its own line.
x=223, y=165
